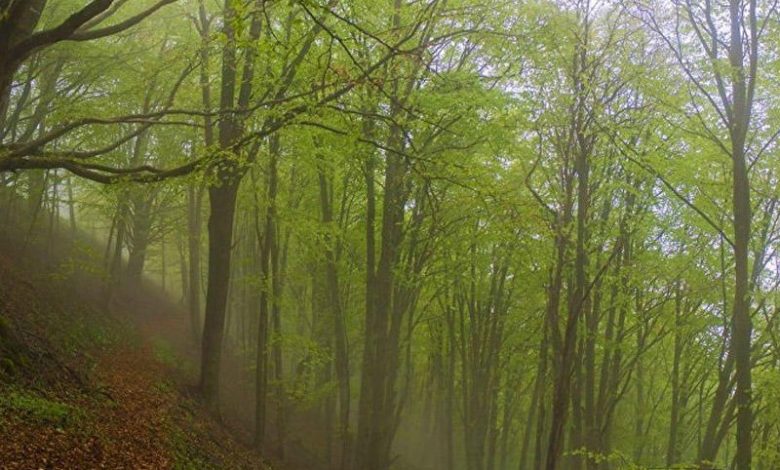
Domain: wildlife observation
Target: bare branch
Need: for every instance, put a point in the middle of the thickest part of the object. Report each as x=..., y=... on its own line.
x=90, y=34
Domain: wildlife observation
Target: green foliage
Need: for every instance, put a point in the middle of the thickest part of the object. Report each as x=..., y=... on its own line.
x=185, y=455
x=84, y=260
x=13, y=354
x=80, y=334
x=184, y=440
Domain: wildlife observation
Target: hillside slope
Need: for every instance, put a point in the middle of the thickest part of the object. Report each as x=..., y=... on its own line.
x=86, y=383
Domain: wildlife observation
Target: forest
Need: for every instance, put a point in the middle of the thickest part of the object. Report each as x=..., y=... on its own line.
x=417, y=234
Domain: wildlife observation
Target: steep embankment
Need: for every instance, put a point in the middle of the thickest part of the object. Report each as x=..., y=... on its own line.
x=86, y=383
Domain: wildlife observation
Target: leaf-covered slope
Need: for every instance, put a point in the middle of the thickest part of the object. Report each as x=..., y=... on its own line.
x=81, y=387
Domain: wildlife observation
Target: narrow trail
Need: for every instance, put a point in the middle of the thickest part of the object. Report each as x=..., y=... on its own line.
x=92, y=387
x=138, y=411
x=126, y=427
x=135, y=419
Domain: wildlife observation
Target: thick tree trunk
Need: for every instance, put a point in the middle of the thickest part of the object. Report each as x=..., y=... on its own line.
x=222, y=205
x=222, y=198
x=17, y=21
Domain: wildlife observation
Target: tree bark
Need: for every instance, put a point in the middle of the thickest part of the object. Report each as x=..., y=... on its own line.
x=742, y=325
x=337, y=317
x=194, y=200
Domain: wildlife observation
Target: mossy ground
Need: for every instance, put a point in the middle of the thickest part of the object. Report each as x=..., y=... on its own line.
x=39, y=409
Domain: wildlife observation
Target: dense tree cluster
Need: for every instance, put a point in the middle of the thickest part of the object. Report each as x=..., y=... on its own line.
x=443, y=234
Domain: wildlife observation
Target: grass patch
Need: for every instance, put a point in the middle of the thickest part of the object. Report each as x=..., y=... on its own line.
x=164, y=387
x=38, y=409
x=164, y=352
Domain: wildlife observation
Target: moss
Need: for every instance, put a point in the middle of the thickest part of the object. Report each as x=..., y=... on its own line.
x=39, y=409
x=164, y=387
x=5, y=329
x=12, y=352
x=7, y=367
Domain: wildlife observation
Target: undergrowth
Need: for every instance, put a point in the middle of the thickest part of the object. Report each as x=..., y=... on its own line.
x=187, y=453
x=33, y=407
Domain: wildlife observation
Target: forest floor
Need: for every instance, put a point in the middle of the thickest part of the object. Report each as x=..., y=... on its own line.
x=85, y=385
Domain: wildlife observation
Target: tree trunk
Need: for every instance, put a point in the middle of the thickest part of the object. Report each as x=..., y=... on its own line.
x=540, y=379
x=194, y=198
x=579, y=296
x=140, y=236
x=742, y=325
x=222, y=205
x=672, y=448
x=222, y=199
x=337, y=318
x=17, y=22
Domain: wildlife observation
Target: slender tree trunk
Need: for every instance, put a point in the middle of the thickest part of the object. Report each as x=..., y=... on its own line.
x=195, y=192
x=579, y=297
x=194, y=199
x=71, y=206
x=276, y=318
x=672, y=454
x=269, y=274
x=115, y=269
x=365, y=405
x=639, y=410
x=183, y=270
x=261, y=358
x=578, y=303
x=742, y=325
x=337, y=319
x=540, y=379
